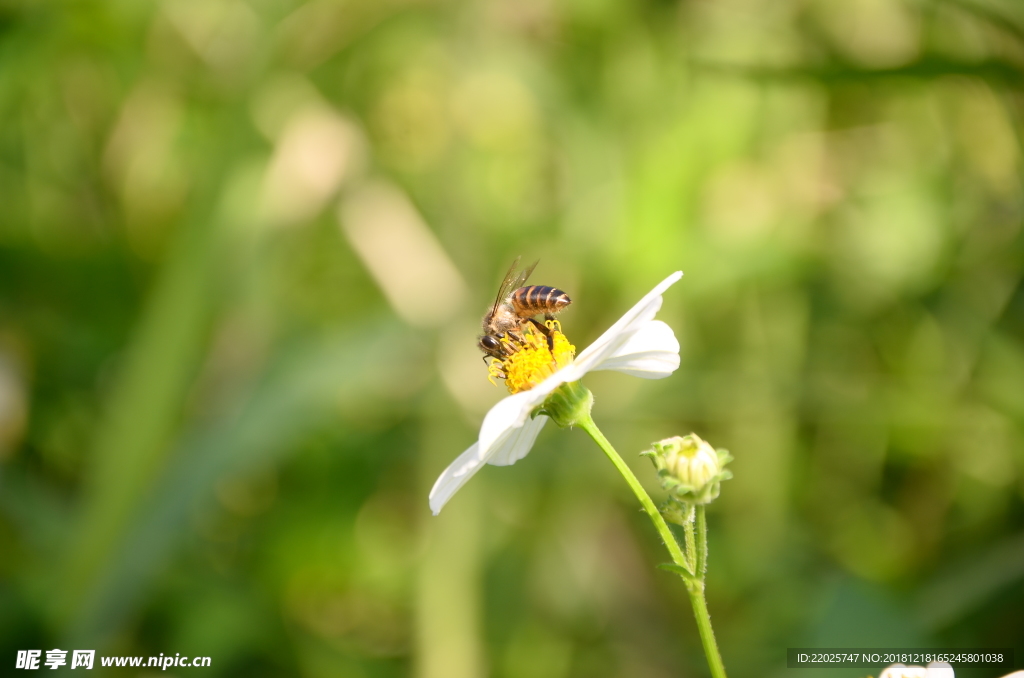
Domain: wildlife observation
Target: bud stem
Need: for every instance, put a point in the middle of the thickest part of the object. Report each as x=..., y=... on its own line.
x=691, y=547
x=702, y=542
x=696, y=545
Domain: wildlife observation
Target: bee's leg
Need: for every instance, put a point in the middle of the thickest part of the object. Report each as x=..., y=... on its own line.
x=543, y=329
x=515, y=339
x=511, y=343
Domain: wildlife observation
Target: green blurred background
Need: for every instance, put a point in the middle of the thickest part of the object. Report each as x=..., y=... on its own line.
x=245, y=246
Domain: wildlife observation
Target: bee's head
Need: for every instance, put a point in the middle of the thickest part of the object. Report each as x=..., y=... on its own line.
x=489, y=345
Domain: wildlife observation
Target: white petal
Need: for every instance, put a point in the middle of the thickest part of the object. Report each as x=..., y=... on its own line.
x=505, y=437
x=509, y=413
x=454, y=477
x=517, y=444
x=651, y=352
x=513, y=445
x=939, y=670
x=901, y=671
x=612, y=340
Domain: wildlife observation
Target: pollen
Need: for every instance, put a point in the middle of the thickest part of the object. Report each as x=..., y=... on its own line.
x=533, y=359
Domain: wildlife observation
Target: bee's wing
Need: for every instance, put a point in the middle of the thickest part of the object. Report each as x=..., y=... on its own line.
x=512, y=282
x=520, y=279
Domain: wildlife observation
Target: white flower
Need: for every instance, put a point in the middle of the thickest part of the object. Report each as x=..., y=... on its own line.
x=933, y=670
x=636, y=344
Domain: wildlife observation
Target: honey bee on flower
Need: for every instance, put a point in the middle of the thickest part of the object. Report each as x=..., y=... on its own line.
x=543, y=373
x=512, y=315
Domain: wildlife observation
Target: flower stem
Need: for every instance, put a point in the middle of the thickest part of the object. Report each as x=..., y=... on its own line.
x=588, y=425
x=696, y=546
x=707, y=634
x=700, y=604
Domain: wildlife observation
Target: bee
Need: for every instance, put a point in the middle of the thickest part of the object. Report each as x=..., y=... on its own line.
x=514, y=307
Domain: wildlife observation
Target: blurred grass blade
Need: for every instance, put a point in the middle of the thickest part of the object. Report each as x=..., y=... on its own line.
x=143, y=409
x=972, y=584
x=301, y=391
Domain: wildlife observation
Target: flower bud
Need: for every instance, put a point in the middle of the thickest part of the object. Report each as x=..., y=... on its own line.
x=690, y=468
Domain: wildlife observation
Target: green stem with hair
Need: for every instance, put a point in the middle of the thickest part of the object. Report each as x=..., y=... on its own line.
x=692, y=564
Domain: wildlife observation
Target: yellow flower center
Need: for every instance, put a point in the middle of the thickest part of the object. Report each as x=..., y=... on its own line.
x=533, y=359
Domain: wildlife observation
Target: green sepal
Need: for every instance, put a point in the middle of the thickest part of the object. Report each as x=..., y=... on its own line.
x=677, y=512
x=568, y=404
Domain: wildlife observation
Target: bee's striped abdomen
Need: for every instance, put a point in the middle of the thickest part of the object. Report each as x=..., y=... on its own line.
x=537, y=299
